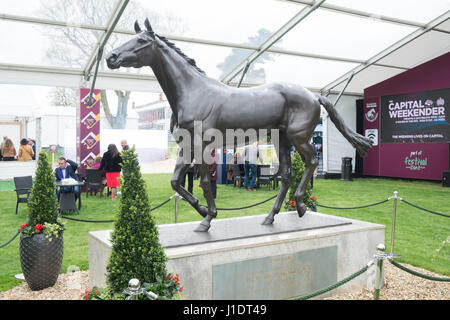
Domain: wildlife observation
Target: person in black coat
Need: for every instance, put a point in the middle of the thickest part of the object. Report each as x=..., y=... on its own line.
x=111, y=163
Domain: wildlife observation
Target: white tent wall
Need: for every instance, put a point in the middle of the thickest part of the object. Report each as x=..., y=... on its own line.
x=335, y=146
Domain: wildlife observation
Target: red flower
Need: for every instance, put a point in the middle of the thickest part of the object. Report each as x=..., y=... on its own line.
x=23, y=226
x=39, y=227
x=313, y=198
x=292, y=203
x=181, y=289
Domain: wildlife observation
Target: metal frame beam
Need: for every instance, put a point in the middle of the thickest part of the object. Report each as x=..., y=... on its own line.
x=412, y=36
x=187, y=40
x=110, y=25
x=277, y=35
x=369, y=15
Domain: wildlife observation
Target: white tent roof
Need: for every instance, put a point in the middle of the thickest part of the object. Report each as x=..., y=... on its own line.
x=317, y=44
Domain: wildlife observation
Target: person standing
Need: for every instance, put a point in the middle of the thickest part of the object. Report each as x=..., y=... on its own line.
x=190, y=174
x=26, y=153
x=111, y=163
x=8, y=150
x=214, y=174
x=251, y=155
x=124, y=145
x=32, y=143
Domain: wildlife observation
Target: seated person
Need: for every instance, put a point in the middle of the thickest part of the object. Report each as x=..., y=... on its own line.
x=66, y=169
x=96, y=166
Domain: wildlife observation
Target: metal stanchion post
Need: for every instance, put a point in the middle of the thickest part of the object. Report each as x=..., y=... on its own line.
x=379, y=281
x=395, y=197
x=176, y=207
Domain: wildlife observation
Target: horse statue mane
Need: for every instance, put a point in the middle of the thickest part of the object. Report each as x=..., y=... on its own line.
x=181, y=53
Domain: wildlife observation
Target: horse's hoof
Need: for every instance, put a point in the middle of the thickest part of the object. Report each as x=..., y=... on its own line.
x=202, y=228
x=268, y=221
x=301, y=209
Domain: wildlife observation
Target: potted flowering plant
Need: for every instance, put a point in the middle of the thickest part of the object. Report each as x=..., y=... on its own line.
x=41, y=242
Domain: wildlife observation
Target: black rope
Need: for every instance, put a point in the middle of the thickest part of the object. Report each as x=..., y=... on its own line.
x=430, y=211
x=250, y=206
x=161, y=204
x=344, y=208
x=91, y=221
x=10, y=240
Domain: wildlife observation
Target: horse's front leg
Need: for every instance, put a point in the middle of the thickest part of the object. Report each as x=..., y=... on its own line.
x=204, y=170
x=178, y=174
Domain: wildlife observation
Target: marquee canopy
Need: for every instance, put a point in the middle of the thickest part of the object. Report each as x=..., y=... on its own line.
x=318, y=44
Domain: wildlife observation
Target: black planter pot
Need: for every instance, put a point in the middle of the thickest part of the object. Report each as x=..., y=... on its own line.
x=41, y=260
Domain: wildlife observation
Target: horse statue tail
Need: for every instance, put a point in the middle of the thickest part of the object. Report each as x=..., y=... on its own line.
x=361, y=143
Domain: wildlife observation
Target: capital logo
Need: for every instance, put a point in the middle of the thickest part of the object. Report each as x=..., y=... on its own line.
x=89, y=159
x=90, y=120
x=85, y=100
x=371, y=115
x=90, y=140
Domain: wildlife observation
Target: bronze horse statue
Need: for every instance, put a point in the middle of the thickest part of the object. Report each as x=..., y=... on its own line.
x=193, y=97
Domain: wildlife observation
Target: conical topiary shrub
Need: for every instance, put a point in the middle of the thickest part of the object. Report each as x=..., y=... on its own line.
x=41, y=242
x=136, y=251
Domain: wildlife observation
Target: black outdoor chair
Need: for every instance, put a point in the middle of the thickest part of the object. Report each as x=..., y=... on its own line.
x=237, y=175
x=23, y=187
x=264, y=179
x=94, y=181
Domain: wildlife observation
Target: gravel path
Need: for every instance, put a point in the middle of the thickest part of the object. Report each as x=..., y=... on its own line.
x=399, y=285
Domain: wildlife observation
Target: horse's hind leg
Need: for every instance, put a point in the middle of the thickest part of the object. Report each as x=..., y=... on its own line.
x=204, y=170
x=286, y=172
x=311, y=162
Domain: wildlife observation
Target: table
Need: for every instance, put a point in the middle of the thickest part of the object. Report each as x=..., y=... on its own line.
x=67, y=199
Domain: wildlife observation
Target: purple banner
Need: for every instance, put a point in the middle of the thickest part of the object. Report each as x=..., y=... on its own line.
x=88, y=128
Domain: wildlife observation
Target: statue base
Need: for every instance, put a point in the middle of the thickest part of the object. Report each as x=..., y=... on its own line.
x=241, y=259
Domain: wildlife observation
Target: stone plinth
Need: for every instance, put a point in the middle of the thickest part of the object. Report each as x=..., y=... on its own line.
x=241, y=259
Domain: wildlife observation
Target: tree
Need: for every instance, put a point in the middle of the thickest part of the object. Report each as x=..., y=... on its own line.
x=136, y=251
x=72, y=46
x=42, y=202
x=254, y=74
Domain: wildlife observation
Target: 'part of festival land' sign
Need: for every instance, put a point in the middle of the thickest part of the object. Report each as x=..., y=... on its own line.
x=416, y=117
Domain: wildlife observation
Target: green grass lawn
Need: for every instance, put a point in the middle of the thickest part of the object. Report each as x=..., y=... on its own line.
x=418, y=234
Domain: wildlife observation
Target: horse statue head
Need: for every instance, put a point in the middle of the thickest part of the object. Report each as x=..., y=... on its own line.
x=135, y=53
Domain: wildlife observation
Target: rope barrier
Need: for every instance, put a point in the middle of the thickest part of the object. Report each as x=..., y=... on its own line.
x=161, y=204
x=336, y=285
x=427, y=210
x=10, y=240
x=91, y=221
x=108, y=221
x=359, y=207
x=250, y=206
x=398, y=265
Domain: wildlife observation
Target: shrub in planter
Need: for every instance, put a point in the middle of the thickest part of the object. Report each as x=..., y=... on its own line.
x=299, y=168
x=41, y=242
x=136, y=251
